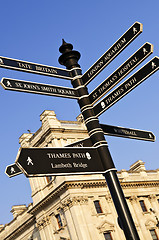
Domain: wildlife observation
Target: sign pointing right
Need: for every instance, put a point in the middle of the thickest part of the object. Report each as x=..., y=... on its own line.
x=127, y=86
x=127, y=132
x=112, y=52
x=121, y=72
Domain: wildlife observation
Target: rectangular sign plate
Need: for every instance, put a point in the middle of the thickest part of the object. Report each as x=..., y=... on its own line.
x=128, y=85
x=121, y=72
x=112, y=52
x=38, y=88
x=127, y=132
x=59, y=161
x=36, y=68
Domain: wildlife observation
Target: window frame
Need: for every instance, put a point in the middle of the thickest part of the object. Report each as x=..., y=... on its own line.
x=98, y=206
x=155, y=234
x=59, y=220
x=143, y=206
x=110, y=236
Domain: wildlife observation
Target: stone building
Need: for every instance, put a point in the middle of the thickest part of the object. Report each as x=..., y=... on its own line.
x=79, y=207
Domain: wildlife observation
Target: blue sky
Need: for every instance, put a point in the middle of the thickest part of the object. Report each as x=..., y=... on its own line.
x=33, y=31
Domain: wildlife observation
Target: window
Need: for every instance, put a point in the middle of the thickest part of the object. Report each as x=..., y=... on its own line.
x=98, y=206
x=142, y=204
x=107, y=236
x=59, y=221
x=153, y=234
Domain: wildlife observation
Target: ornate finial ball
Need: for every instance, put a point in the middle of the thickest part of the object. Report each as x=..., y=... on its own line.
x=65, y=47
x=69, y=57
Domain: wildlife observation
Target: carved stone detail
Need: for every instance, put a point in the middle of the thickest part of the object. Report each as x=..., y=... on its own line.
x=74, y=201
x=43, y=222
x=152, y=197
x=133, y=199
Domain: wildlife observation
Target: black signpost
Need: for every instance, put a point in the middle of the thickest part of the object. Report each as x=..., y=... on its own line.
x=90, y=155
x=59, y=161
x=38, y=88
x=70, y=59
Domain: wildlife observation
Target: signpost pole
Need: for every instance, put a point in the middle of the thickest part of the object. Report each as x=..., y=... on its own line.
x=69, y=58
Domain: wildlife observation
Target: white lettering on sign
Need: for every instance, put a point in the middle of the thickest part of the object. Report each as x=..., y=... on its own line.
x=95, y=68
x=78, y=155
x=127, y=66
x=67, y=155
x=45, y=69
x=111, y=80
x=125, y=131
x=80, y=165
x=59, y=155
x=24, y=65
x=130, y=83
x=107, y=57
x=115, y=49
x=61, y=165
x=114, y=95
x=49, y=89
x=31, y=86
x=69, y=165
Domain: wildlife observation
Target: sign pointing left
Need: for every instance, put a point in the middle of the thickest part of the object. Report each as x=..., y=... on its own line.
x=12, y=170
x=38, y=88
x=20, y=65
x=36, y=162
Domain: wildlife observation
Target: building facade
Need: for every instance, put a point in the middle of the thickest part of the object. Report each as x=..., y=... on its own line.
x=80, y=207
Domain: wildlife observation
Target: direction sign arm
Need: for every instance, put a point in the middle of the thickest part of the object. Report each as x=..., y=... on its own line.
x=38, y=88
x=121, y=72
x=112, y=52
x=36, y=68
x=128, y=85
x=127, y=132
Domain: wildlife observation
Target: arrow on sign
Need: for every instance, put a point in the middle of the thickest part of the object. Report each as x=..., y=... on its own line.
x=128, y=85
x=12, y=170
x=127, y=133
x=20, y=65
x=38, y=88
x=59, y=161
x=112, y=52
x=121, y=72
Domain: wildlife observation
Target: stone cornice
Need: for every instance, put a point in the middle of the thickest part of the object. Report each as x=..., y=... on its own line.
x=55, y=131
x=143, y=184
x=84, y=185
x=20, y=228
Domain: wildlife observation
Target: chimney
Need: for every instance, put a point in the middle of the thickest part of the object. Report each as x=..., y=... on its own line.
x=18, y=209
x=138, y=166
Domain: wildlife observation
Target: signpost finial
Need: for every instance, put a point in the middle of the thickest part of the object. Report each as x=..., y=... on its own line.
x=69, y=57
